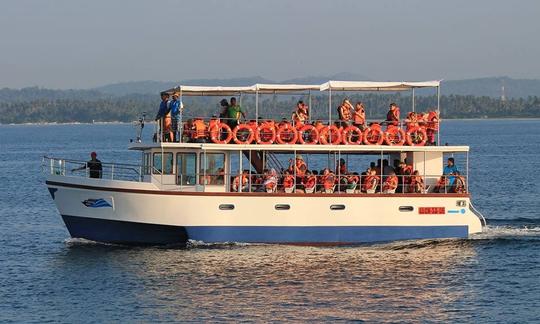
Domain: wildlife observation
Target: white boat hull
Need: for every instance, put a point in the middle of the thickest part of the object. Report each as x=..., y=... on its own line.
x=121, y=212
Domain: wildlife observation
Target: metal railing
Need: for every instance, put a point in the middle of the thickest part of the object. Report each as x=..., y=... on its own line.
x=77, y=168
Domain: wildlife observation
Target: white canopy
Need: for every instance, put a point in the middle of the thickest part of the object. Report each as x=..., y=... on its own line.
x=210, y=91
x=376, y=85
x=284, y=88
x=288, y=88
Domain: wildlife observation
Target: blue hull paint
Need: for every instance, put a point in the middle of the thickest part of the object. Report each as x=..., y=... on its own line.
x=321, y=234
x=139, y=233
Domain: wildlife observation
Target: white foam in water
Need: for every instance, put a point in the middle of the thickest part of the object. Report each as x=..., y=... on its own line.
x=80, y=241
x=195, y=243
x=494, y=232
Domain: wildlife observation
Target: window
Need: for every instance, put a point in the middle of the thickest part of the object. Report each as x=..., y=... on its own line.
x=186, y=168
x=212, y=169
x=147, y=163
x=163, y=165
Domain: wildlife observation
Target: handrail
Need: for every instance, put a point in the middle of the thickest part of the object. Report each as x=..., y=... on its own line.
x=113, y=171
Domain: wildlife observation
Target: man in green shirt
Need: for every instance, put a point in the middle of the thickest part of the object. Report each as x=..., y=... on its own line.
x=233, y=113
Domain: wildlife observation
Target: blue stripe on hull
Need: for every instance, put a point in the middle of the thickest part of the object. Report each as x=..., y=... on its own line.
x=111, y=231
x=321, y=234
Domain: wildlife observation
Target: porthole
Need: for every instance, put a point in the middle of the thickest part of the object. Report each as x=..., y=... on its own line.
x=406, y=208
x=226, y=207
x=337, y=207
x=282, y=207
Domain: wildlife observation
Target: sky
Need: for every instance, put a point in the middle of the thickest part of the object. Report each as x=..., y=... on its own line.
x=83, y=44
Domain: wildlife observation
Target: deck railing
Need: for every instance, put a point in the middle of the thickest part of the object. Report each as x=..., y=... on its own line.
x=77, y=168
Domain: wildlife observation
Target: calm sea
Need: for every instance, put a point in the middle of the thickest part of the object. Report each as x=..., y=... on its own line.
x=494, y=277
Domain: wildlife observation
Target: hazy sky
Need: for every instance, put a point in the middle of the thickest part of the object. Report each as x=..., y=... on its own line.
x=81, y=44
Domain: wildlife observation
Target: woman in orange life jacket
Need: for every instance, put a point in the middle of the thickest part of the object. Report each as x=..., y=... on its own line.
x=345, y=111
x=359, y=116
x=353, y=180
x=411, y=120
x=371, y=181
x=299, y=167
x=198, y=131
x=392, y=117
x=288, y=180
x=310, y=180
x=441, y=184
x=328, y=179
x=391, y=183
x=417, y=183
x=241, y=182
x=301, y=115
x=459, y=183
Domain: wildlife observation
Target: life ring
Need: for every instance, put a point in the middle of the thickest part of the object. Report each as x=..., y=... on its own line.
x=373, y=136
x=352, y=132
x=330, y=131
x=394, y=136
x=311, y=133
x=215, y=133
x=416, y=136
x=243, y=127
x=286, y=134
x=265, y=134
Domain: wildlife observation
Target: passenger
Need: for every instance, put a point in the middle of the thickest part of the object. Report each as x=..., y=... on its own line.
x=301, y=115
x=288, y=181
x=94, y=166
x=432, y=124
x=177, y=108
x=442, y=184
x=164, y=108
x=392, y=117
x=345, y=111
x=417, y=183
x=198, y=131
x=412, y=120
x=459, y=183
x=224, y=108
x=391, y=183
x=270, y=181
x=341, y=168
x=298, y=167
x=220, y=178
x=371, y=181
x=310, y=182
x=241, y=182
x=449, y=170
x=353, y=180
x=328, y=180
x=234, y=112
x=387, y=169
x=404, y=173
x=359, y=116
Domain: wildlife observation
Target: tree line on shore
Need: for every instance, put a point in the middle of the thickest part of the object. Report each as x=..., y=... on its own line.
x=129, y=108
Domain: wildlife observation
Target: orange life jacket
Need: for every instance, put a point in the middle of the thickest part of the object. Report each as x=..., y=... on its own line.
x=353, y=179
x=360, y=117
x=371, y=182
x=301, y=168
x=345, y=113
x=310, y=181
x=199, y=129
x=329, y=181
x=459, y=184
x=288, y=181
x=299, y=117
x=390, y=183
x=236, y=182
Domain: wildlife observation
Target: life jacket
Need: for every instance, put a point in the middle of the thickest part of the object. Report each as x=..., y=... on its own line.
x=416, y=184
x=288, y=181
x=433, y=120
x=345, y=113
x=329, y=181
x=299, y=117
x=199, y=129
x=360, y=117
x=310, y=182
x=341, y=169
x=393, y=115
x=459, y=186
x=371, y=182
x=391, y=183
x=236, y=182
x=253, y=124
x=353, y=179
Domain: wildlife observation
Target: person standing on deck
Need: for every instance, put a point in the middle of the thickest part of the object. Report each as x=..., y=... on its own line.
x=164, y=108
x=345, y=111
x=94, y=167
x=449, y=170
x=359, y=116
x=234, y=112
x=177, y=108
x=392, y=117
x=301, y=115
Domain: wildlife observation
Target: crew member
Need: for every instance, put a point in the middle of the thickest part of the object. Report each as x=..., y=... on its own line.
x=177, y=108
x=164, y=108
x=94, y=166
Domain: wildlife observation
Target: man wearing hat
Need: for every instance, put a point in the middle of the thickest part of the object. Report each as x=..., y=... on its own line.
x=94, y=165
x=177, y=108
x=299, y=167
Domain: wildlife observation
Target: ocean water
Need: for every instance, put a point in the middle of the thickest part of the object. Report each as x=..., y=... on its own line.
x=492, y=277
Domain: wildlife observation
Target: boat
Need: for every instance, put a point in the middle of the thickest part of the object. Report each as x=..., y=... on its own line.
x=210, y=189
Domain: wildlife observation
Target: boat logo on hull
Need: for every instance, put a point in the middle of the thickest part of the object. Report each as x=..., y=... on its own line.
x=96, y=203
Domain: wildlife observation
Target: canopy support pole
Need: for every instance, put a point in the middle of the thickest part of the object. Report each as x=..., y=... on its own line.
x=257, y=105
x=329, y=106
x=413, y=104
x=309, y=105
x=439, y=113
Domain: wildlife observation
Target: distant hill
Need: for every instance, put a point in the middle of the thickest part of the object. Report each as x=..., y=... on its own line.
x=490, y=87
